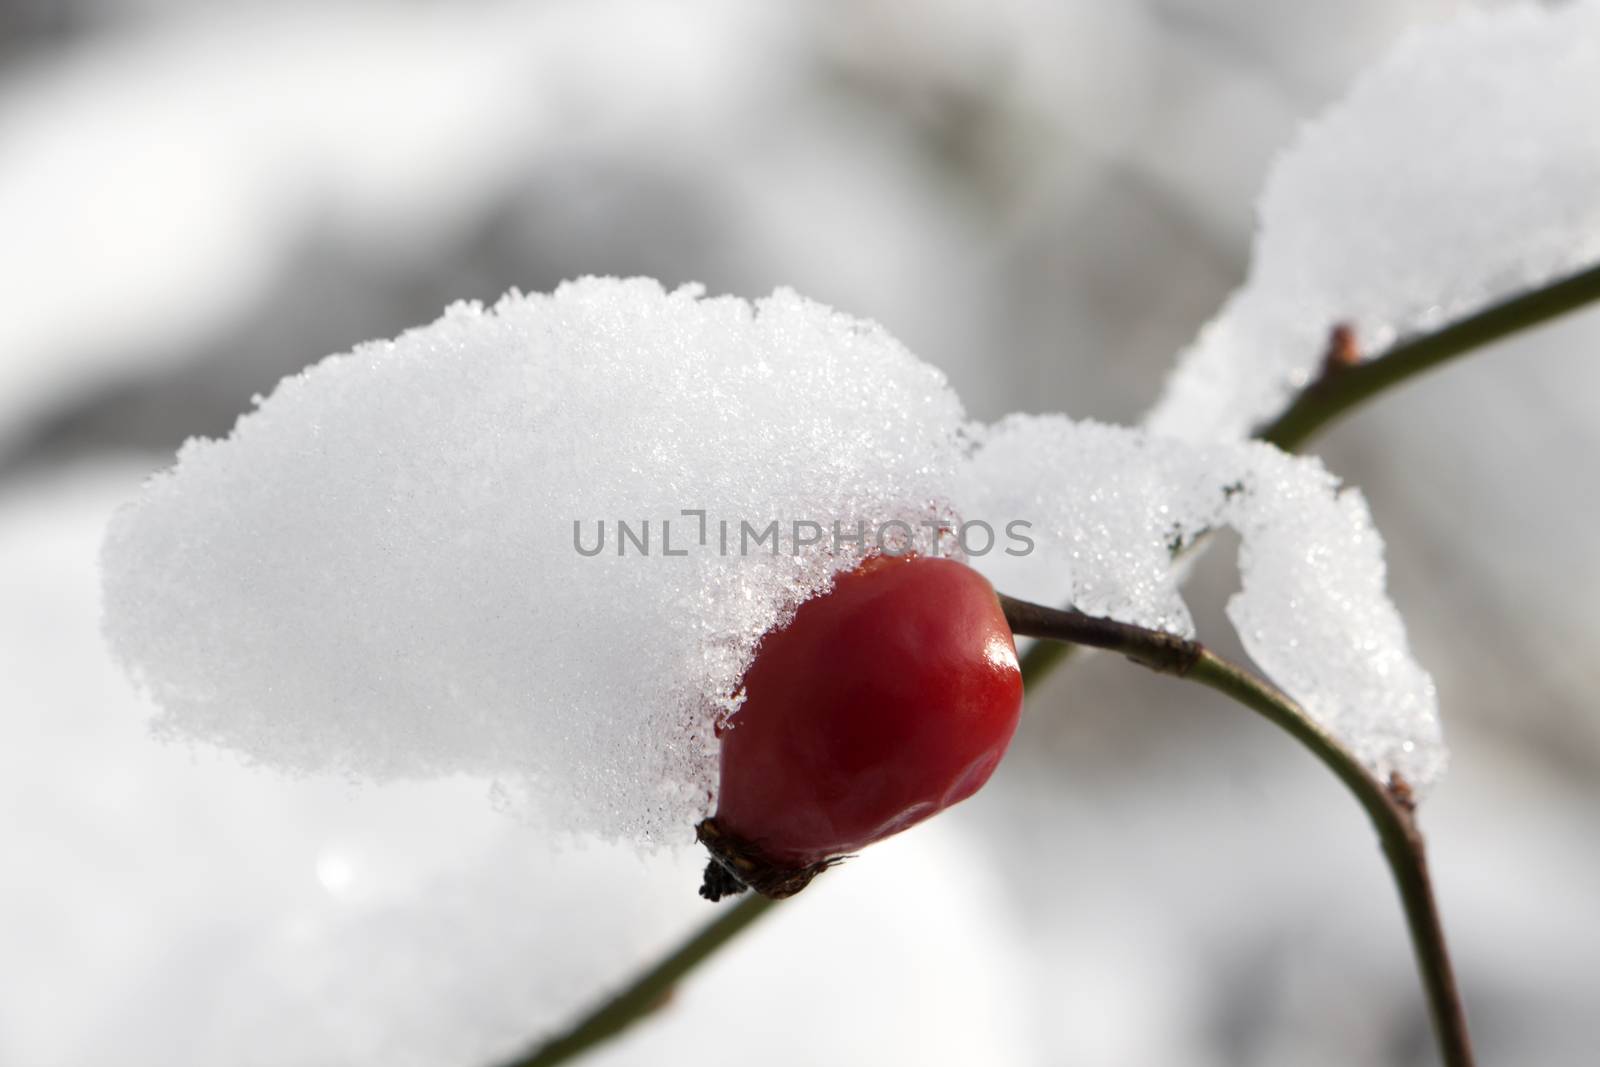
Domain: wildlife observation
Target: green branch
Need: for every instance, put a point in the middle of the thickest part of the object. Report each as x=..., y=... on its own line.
x=650, y=989
x=1389, y=805
x=1040, y=660
x=1342, y=388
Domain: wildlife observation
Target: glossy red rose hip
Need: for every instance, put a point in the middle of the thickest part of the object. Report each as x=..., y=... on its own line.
x=884, y=701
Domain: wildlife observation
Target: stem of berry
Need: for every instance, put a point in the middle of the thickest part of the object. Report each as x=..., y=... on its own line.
x=1388, y=804
x=649, y=990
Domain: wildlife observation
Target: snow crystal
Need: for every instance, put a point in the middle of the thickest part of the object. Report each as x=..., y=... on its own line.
x=1459, y=171
x=1111, y=507
x=171, y=907
x=383, y=571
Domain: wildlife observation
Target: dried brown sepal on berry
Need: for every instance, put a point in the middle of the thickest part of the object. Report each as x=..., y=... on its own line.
x=737, y=865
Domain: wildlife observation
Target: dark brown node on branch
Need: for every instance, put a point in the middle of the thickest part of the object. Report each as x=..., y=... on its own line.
x=1168, y=654
x=737, y=865
x=1342, y=352
x=1400, y=791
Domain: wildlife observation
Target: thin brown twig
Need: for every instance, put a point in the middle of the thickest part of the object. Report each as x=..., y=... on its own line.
x=649, y=990
x=1390, y=805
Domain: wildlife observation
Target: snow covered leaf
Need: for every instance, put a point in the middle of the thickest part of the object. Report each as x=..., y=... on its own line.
x=1463, y=169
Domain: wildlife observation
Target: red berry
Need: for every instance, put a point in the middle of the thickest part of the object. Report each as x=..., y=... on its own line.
x=884, y=701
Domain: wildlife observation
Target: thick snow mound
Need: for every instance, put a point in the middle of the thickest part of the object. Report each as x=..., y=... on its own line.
x=1112, y=508
x=1462, y=169
x=383, y=569
x=541, y=543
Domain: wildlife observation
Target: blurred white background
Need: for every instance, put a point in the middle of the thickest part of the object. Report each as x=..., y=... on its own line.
x=1045, y=200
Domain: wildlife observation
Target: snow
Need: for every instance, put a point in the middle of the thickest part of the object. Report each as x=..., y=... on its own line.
x=1460, y=170
x=398, y=567
x=1112, y=506
x=157, y=891
x=378, y=573
x=171, y=905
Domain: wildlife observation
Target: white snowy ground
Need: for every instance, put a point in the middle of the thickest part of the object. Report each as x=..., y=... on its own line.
x=1180, y=886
